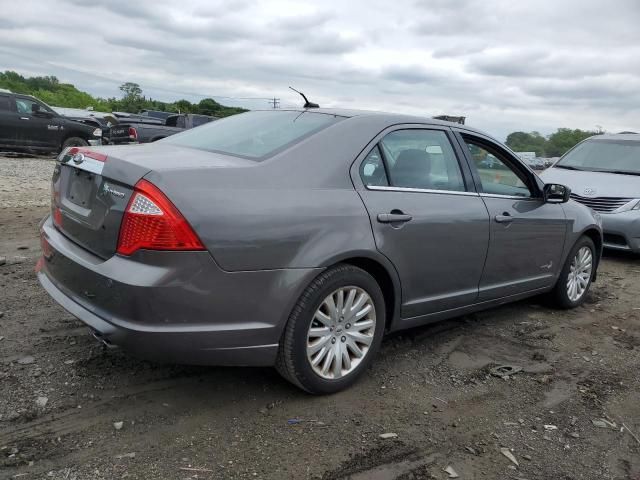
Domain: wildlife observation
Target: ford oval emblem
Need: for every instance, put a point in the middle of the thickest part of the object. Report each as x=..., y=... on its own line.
x=78, y=158
x=589, y=192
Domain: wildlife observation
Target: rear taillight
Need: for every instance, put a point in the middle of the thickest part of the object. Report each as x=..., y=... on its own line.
x=152, y=222
x=57, y=217
x=133, y=134
x=85, y=152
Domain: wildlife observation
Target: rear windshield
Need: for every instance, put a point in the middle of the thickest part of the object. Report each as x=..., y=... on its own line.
x=604, y=156
x=254, y=135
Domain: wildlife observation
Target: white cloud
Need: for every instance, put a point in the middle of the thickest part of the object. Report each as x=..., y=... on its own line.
x=526, y=65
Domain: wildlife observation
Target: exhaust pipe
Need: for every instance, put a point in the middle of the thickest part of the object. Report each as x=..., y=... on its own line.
x=106, y=343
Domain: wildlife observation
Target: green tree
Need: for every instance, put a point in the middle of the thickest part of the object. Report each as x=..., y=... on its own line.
x=527, y=142
x=563, y=139
x=132, y=99
x=51, y=91
x=555, y=145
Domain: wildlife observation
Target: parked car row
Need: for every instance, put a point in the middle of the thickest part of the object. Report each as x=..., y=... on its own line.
x=27, y=123
x=136, y=130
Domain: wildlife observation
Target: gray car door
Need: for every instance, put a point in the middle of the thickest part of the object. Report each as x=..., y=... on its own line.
x=527, y=234
x=426, y=216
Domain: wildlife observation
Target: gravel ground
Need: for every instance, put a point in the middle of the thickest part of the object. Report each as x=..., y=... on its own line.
x=71, y=410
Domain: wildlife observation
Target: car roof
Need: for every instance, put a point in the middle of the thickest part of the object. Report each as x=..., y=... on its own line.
x=634, y=137
x=390, y=117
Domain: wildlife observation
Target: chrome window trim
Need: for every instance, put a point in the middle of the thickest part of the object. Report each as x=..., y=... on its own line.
x=513, y=197
x=420, y=190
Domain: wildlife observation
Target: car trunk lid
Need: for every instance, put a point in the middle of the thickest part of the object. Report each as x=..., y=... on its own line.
x=91, y=187
x=87, y=205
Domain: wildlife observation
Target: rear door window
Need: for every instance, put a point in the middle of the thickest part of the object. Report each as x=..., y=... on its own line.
x=372, y=170
x=422, y=159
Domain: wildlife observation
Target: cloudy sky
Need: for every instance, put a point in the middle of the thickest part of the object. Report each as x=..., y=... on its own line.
x=507, y=65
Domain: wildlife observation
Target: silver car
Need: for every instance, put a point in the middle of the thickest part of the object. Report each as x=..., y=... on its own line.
x=298, y=238
x=603, y=173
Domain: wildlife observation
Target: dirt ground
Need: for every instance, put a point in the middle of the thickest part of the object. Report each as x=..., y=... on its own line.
x=61, y=393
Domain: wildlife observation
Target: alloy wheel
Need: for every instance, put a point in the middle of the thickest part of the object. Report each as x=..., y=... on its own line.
x=579, y=274
x=341, y=332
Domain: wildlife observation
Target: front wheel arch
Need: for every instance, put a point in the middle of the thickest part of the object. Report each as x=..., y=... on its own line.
x=596, y=238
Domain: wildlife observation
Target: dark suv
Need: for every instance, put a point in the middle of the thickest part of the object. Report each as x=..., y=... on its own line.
x=26, y=123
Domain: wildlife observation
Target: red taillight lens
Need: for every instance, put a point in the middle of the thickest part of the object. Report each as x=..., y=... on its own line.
x=152, y=222
x=133, y=133
x=57, y=217
x=101, y=157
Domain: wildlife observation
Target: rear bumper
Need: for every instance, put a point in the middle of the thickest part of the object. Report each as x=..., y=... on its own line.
x=177, y=307
x=622, y=231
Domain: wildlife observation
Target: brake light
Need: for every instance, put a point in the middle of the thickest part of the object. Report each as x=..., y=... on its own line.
x=57, y=217
x=101, y=157
x=152, y=222
x=133, y=133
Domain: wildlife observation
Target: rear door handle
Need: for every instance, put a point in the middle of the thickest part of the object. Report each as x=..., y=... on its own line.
x=504, y=218
x=394, y=218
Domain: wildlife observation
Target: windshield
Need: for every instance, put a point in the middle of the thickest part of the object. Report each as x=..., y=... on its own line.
x=254, y=134
x=604, y=156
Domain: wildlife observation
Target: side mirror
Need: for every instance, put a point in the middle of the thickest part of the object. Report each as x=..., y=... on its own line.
x=556, y=193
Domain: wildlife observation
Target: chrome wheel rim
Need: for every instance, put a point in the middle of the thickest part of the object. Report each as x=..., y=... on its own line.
x=579, y=274
x=341, y=332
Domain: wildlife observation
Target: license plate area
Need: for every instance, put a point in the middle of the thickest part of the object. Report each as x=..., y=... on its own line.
x=119, y=132
x=81, y=188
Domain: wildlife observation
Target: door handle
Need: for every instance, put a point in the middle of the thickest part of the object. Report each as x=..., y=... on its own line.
x=394, y=218
x=504, y=218
x=24, y=118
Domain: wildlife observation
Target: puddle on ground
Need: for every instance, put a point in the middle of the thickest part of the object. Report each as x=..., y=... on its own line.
x=391, y=471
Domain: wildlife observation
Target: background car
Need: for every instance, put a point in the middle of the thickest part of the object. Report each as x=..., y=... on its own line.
x=603, y=173
x=298, y=238
x=26, y=123
x=132, y=130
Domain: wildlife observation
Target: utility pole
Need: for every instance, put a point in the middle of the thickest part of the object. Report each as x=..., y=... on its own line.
x=274, y=102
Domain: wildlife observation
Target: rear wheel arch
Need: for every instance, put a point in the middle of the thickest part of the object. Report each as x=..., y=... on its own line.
x=387, y=280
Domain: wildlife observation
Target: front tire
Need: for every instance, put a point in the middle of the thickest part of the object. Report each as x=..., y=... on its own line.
x=576, y=276
x=333, y=332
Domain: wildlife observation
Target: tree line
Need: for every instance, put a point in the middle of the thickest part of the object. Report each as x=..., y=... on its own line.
x=554, y=145
x=51, y=91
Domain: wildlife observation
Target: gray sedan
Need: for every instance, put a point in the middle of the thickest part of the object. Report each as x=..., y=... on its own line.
x=298, y=238
x=603, y=173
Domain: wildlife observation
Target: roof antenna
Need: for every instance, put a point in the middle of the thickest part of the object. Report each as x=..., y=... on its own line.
x=307, y=103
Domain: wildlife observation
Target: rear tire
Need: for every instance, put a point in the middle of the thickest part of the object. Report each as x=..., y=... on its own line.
x=75, y=142
x=576, y=276
x=317, y=335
